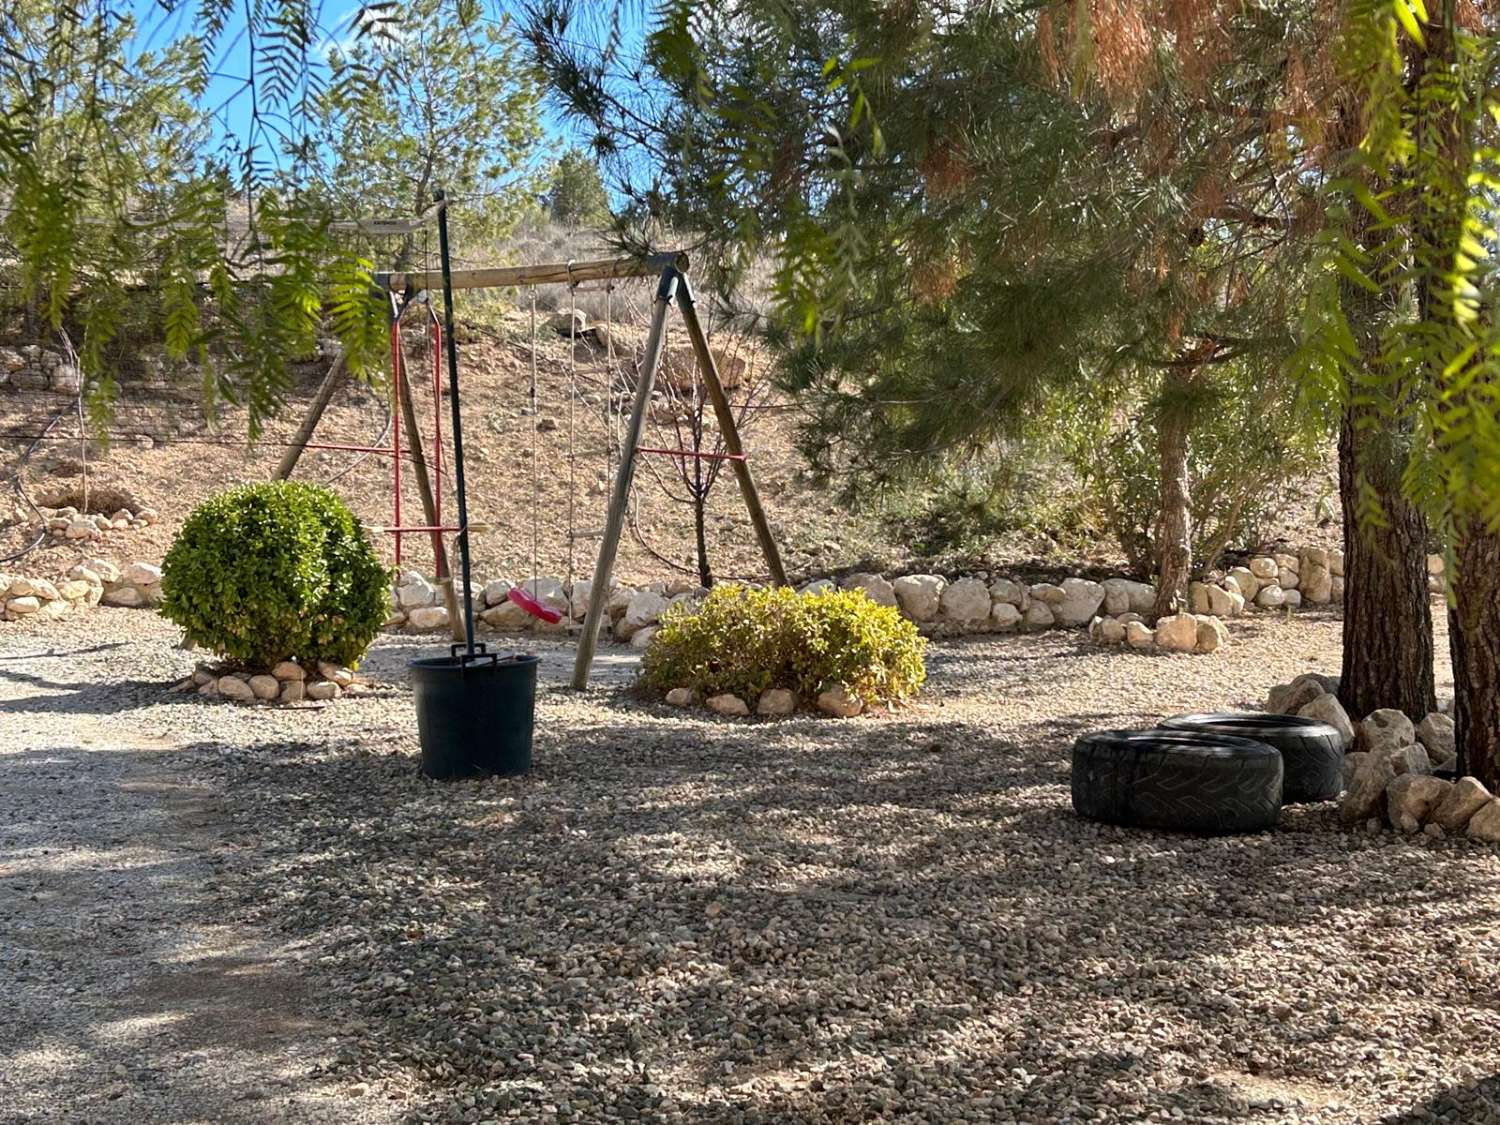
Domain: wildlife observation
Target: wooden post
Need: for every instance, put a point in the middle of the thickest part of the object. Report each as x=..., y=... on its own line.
x=315, y=410
x=443, y=574
x=731, y=433
x=620, y=499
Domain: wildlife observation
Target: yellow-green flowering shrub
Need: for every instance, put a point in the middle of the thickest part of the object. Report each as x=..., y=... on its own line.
x=744, y=641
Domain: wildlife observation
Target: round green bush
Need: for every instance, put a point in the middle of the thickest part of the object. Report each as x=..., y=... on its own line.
x=744, y=641
x=276, y=571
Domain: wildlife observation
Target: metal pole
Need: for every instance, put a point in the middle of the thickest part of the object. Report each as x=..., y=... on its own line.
x=620, y=500
x=458, y=431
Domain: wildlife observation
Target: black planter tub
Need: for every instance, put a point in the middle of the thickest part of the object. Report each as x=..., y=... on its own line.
x=475, y=712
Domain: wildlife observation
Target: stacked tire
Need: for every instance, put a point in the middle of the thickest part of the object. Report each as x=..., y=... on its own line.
x=1208, y=773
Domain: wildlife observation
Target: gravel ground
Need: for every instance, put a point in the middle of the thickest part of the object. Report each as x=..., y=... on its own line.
x=683, y=919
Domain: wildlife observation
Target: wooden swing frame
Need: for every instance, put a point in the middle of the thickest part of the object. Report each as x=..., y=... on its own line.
x=671, y=270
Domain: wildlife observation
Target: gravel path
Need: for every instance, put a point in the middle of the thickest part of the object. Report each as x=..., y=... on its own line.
x=679, y=919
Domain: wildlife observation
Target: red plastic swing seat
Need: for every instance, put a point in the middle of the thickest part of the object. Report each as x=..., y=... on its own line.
x=536, y=608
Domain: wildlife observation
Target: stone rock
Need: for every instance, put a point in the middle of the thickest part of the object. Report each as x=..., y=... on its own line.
x=618, y=602
x=776, y=701
x=1004, y=617
x=427, y=617
x=142, y=574
x=876, y=588
x=507, y=617
x=817, y=586
x=1081, y=600
x=580, y=597
x=1047, y=593
x=1433, y=830
x=1386, y=729
x=1326, y=708
x=1317, y=585
x=1225, y=603
x=1291, y=599
x=322, y=690
x=966, y=603
x=1437, y=734
x=1003, y=590
x=335, y=672
x=1122, y=595
x=1198, y=597
x=1436, y=565
x=66, y=379
x=25, y=604
x=126, y=596
x=684, y=585
x=727, y=703
x=1039, y=616
x=1365, y=779
x=265, y=687
x=644, y=609
x=1466, y=798
x=415, y=593
x=1336, y=563
x=1271, y=597
x=569, y=322
x=80, y=529
x=1246, y=580
x=1409, y=759
x=919, y=595
x=840, y=702
x=1314, y=556
x=1413, y=796
x=1212, y=635
x=1139, y=635
x=1485, y=824
x=293, y=691
x=75, y=590
x=107, y=572
x=1336, y=590
x=289, y=670
x=496, y=591
x=1111, y=631
x=1177, y=633
x=235, y=688
x=640, y=640
x=682, y=697
x=1287, y=562
x=1264, y=568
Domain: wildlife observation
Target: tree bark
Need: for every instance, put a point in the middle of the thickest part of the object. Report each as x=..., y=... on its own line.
x=1388, y=645
x=1174, y=543
x=1387, y=611
x=1474, y=640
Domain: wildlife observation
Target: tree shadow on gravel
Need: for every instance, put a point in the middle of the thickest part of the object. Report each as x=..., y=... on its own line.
x=809, y=921
x=126, y=994
x=1474, y=1103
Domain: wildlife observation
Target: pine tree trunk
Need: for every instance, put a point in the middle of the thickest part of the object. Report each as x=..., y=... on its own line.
x=1387, y=612
x=1474, y=640
x=1174, y=544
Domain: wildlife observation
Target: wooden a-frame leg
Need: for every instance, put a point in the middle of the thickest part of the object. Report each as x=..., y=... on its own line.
x=731, y=434
x=620, y=499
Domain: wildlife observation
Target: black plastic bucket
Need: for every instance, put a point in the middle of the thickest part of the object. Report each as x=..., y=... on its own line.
x=475, y=712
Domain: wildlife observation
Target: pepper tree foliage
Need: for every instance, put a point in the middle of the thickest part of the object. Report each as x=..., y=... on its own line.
x=977, y=209
x=126, y=199
x=1435, y=142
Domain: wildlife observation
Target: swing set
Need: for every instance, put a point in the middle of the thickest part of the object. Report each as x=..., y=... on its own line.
x=410, y=290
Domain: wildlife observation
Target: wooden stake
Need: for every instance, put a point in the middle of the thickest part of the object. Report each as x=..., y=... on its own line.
x=620, y=499
x=731, y=433
x=315, y=410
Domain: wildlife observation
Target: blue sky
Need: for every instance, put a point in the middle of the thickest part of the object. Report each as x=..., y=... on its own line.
x=158, y=28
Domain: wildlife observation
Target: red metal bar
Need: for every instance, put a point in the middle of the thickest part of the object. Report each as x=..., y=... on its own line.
x=396, y=424
x=695, y=456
